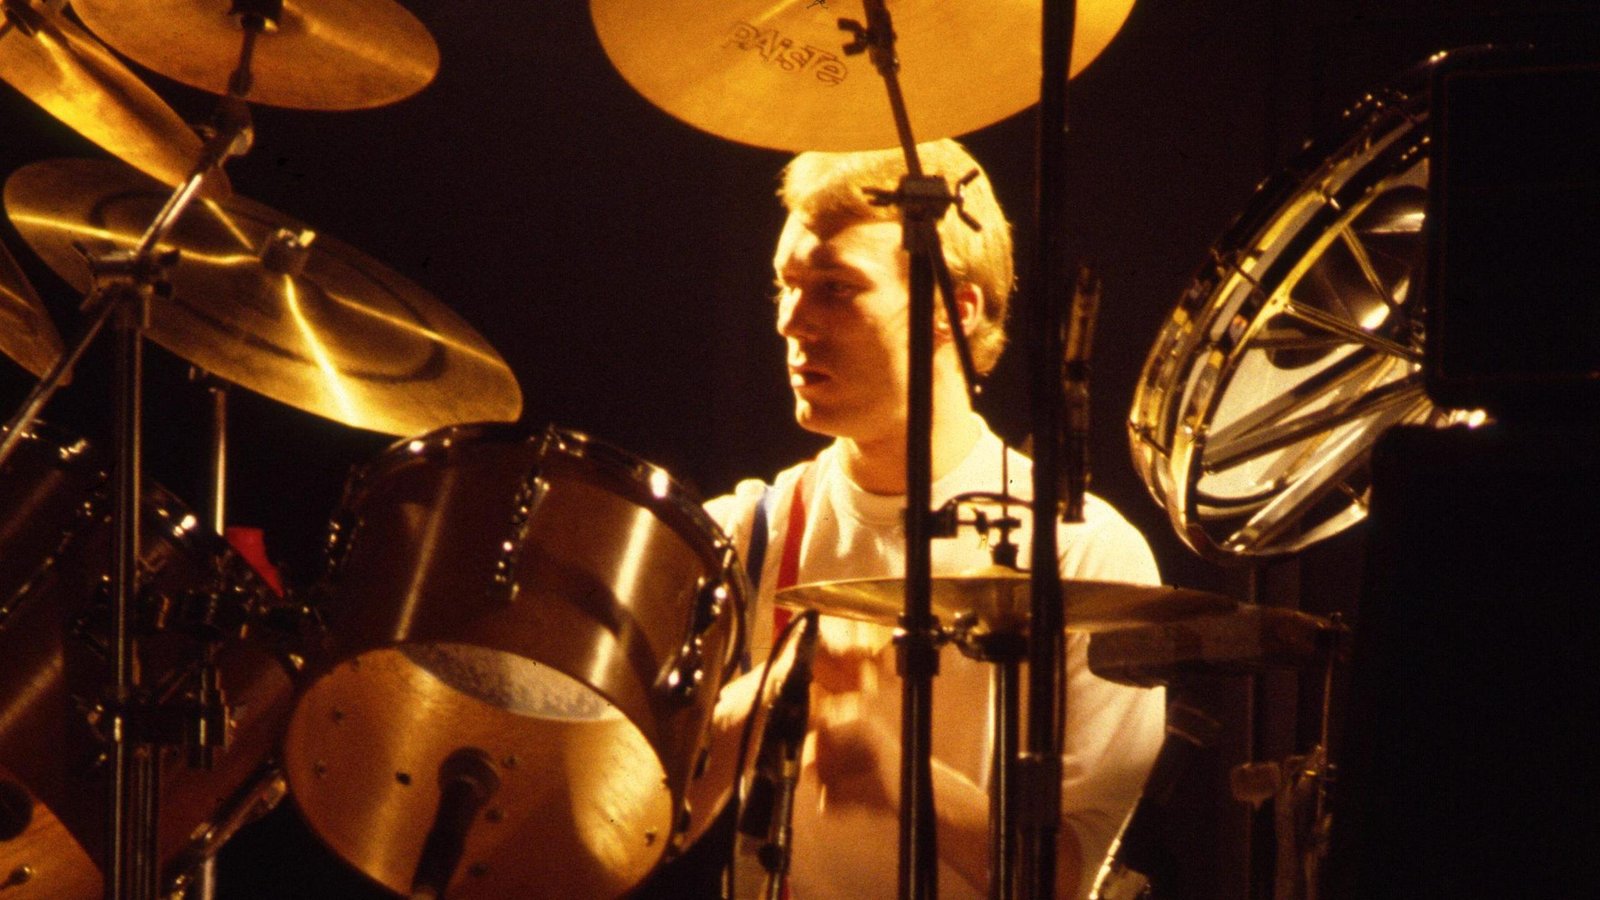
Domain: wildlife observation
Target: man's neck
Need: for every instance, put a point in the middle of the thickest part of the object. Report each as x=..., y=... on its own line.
x=879, y=467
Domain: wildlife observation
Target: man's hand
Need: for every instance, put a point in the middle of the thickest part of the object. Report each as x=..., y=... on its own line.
x=856, y=756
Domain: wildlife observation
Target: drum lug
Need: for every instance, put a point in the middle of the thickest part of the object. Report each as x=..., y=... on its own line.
x=530, y=493
x=680, y=681
x=341, y=537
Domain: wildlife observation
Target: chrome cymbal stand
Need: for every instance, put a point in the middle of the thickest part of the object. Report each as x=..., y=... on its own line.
x=923, y=201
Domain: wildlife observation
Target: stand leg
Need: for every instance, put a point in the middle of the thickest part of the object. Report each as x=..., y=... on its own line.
x=1002, y=811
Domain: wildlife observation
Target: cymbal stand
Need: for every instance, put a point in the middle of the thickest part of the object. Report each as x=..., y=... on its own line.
x=923, y=201
x=1039, y=776
x=123, y=283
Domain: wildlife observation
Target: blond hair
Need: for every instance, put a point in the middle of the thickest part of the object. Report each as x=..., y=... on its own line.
x=830, y=185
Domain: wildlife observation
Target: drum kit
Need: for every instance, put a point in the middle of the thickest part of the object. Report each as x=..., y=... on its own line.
x=520, y=636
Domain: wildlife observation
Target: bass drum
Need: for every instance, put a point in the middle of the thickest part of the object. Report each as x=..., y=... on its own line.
x=1297, y=344
x=55, y=668
x=550, y=614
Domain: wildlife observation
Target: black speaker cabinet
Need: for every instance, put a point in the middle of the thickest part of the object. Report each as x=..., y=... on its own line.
x=1470, y=766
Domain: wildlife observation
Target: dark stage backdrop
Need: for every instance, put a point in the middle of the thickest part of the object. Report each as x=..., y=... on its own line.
x=620, y=260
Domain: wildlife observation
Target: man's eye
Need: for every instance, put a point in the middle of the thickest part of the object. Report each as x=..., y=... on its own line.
x=835, y=288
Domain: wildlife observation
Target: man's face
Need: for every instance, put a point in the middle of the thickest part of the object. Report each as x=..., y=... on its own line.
x=842, y=310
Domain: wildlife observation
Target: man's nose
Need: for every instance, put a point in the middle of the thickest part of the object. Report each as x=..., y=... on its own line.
x=794, y=314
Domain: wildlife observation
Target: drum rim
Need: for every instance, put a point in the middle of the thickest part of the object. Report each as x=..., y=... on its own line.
x=1178, y=389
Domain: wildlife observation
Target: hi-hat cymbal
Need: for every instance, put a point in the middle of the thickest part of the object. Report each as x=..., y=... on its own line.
x=773, y=73
x=26, y=333
x=1001, y=598
x=57, y=65
x=261, y=302
x=331, y=54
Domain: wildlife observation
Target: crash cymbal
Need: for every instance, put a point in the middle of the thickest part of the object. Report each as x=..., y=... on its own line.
x=57, y=65
x=301, y=318
x=773, y=73
x=26, y=333
x=1001, y=599
x=332, y=54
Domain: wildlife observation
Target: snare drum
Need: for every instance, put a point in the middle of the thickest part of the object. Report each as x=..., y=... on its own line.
x=55, y=669
x=559, y=608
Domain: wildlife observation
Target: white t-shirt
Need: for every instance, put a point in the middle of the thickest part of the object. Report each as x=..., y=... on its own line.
x=1113, y=731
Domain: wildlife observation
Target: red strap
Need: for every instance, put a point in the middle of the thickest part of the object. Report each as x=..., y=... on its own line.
x=793, y=532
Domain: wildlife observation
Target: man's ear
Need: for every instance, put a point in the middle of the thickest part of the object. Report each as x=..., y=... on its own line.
x=969, y=306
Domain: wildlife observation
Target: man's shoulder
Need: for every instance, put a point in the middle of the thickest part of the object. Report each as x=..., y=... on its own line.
x=739, y=504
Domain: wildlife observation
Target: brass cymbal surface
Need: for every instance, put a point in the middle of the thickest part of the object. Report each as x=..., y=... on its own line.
x=261, y=301
x=26, y=333
x=1000, y=599
x=73, y=77
x=773, y=73
x=328, y=54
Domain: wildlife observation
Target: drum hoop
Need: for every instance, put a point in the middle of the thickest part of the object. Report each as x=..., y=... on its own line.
x=1379, y=140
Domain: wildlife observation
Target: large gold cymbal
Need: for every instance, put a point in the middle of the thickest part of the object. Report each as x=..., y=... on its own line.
x=326, y=329
x=772, y=73
x=327, y=54
x=1000, y=599
x=26, y=333
x=80, y=82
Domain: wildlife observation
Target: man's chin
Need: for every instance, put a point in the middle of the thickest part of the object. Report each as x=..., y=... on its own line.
x=813, y=419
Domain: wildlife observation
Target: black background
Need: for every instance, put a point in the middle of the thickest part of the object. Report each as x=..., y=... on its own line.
x=620, y=260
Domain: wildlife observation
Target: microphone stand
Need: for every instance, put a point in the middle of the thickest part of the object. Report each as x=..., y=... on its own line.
x=923, y=201
x=1039, y=770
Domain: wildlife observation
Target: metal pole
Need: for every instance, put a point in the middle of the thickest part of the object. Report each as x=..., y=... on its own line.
x=1040, y=774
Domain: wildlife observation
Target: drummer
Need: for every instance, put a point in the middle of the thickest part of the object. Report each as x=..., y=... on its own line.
x=842, y=309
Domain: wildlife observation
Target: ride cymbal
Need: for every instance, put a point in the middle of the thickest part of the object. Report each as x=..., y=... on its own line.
x=1000, y=599
x=773, y=72
x=262, y=302
x=73, y=77
x=26, y=333
x=330, y=55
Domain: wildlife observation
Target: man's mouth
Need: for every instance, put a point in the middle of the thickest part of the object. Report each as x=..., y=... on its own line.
x=806, y=376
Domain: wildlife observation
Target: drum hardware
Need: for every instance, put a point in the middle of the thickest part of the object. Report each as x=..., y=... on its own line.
x=623, y=588
x=58, y=650
x=681, y=680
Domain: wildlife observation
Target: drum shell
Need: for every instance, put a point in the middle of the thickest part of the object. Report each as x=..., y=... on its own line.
x=55, y=668
x=557, y=550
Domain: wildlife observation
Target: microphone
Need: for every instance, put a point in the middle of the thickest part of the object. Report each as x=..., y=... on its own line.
x=768, y=810
x=1075, y=382
x=467, y=780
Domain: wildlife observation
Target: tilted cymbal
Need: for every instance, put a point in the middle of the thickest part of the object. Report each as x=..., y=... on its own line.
x=773, y=72
x=26, y=333
x=260, y=301
x=332, y=54
x=57, y=65
x=1001, y=598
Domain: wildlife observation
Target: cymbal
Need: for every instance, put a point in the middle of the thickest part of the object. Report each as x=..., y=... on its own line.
x=319, y=326
x=1001, y=599
x=331, y=54
x=773, y=73
x=26, y=333
x=77, y=80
